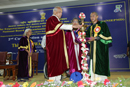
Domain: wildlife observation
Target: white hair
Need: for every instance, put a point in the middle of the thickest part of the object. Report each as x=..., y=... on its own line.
x=25, y=32
x=55, y=8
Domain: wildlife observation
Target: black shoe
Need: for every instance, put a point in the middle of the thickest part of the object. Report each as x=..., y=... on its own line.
x=18, y=80
x=21, y=80
x=24, y=80
x=68, y=75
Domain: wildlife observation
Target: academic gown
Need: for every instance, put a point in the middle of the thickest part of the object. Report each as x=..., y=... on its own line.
x=99, y=49
x=57, y=57
x=25, y=62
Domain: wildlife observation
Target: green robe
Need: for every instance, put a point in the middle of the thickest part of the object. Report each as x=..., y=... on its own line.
x=99, y=49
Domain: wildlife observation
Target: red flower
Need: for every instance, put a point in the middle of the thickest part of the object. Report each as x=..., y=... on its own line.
x=106, y=81
x=80, y=83
x=89, y=81
x=39, y=84
x=63, y=83
x=16, y=85
x=1, y=83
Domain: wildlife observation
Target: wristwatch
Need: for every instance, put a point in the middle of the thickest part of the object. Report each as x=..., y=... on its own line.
x=95, y=38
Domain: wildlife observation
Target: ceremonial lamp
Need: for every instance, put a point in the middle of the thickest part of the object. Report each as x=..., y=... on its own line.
x=84, y=48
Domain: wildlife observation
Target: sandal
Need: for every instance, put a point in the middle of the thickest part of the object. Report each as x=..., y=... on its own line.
x=6, y=78
x=10, y=78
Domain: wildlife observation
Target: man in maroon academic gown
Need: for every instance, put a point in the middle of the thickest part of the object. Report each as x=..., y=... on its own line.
x=57, y=57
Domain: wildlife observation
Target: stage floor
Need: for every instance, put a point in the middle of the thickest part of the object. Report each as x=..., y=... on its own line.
x=40, y=77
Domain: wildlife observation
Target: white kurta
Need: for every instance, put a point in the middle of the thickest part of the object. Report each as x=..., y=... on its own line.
x=43, y=43
x=76, y=48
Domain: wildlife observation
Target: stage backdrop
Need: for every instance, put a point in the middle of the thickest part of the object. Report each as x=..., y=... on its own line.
x=115, y=14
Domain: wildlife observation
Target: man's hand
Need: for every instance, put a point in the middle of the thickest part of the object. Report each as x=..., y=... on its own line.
x=75, y=43
x=44, y=48
x=92, y=39
x=77, y=26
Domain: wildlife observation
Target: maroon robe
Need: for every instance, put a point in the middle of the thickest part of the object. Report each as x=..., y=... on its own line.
x=71, y=53
x=57, y=57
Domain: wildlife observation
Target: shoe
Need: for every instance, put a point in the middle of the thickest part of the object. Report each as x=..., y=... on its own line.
x=68, y=75
x=6, y=79
x=18, y=80
x=10, y=78
x=21, y=80
x=24, y=80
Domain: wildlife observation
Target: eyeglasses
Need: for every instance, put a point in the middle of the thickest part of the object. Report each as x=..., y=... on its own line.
x=75, y=21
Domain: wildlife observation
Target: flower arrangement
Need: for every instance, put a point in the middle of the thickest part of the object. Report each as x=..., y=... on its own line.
x=120, y=82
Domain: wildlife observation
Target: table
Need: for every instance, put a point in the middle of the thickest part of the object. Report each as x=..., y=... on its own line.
x=10, y=66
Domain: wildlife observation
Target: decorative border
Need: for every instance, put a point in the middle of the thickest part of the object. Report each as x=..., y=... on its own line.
x=56, y=28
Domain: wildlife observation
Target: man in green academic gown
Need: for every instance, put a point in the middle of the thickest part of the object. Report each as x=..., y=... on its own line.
x=99, y=49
